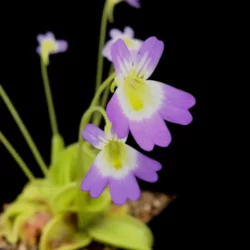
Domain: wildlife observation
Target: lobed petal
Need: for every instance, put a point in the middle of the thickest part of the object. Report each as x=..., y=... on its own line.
x=150, y=132
x=106, y=52
x=115, y=33
x=146, y=167
x=175, y=103
x=176, y=97
x=148, y=57
x=121, y=58
x=95, y=136
x=50, y=35
x=129, y=32
x=94, y=182
x=62, y=46
x=122, y=189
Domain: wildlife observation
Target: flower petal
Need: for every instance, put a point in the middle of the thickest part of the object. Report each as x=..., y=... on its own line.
x=50, y=35
x=176, y=115
x=121, y=58
x=147, y=163
x=62, y=45
x=129, y=32
x=38, y=50
x=158, y=131
x=148, y=57
x=176, y=97
x=117, y=191
x=95, y=136
x=134, y=3
x=121, y=189
x=132, y=188
x=40, y=38
x=106, y=52
x=116, y=116
x=146, y=174
x=141, y=135
x=146, y=167
x=150, y=132
x=94, y=182
x=115, y=33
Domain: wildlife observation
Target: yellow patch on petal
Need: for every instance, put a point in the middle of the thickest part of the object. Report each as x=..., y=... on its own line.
x=137, y=92
x=115, y=153
x=129, y=42
x=47, y=46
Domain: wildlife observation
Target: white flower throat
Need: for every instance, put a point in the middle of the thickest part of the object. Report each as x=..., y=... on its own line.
x=115, y=153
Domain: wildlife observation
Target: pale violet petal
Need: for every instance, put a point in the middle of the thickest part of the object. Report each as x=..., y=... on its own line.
x=115, y=33
x=106, y=52
x=151, y=131
x=134, y=3
x=129, y=32
x=117, y=117
x=122, y=189
x=121, y=58
x=94, y=182
x=95, y=136
x=148, y=57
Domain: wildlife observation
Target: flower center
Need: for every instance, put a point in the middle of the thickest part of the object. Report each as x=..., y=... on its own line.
x=47, y=47
x=129, y=42
x=137, y=92
x=115, y=153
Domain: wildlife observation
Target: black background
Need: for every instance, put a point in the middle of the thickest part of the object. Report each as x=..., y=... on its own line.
x=182, y=27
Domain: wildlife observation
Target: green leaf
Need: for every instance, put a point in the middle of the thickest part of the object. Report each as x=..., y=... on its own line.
x=61, y=234
x=14, y=235
x=122, y=232
x=57, y=146
x=64, y=197
x=79, y=241
x=17, y=208
x=100, y=204
x=84, y=160
x=60, y=172
x=37, y=191
x=5, y=227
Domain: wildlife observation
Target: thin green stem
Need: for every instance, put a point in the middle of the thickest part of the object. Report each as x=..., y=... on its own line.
x=87, y=115
x=97, y=117
x=103, y=30
x=51, y=109
x=101, y=89
x=16, y=157
x=24, y=131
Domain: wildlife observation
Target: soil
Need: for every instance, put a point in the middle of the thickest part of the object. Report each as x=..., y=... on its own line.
x=149, y=205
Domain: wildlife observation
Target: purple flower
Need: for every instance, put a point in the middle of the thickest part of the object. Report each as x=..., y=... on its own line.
x=141, y=105
x=49, y=45
x=134, y=3
x=127, y=36
x=116, y=165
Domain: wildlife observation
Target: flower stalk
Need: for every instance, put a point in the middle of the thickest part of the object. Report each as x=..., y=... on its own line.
x=24, y=131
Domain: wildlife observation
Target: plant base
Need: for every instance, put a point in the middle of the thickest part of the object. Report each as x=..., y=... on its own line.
x=149, y=205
